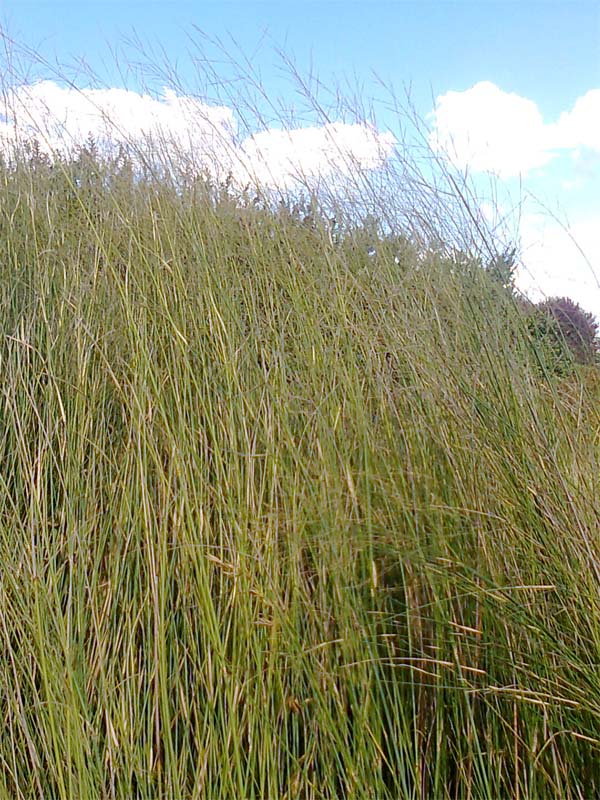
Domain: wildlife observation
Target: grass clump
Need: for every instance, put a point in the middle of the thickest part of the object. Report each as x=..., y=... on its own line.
x=282, y=514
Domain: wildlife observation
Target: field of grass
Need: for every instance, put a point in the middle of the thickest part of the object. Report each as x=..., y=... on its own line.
x=280, y=516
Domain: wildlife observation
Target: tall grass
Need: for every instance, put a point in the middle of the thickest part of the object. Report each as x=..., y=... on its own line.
x=280, y=518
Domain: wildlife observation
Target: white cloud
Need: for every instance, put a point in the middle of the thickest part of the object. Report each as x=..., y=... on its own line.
x=487, y=129
x=277, y=156
x=204, y=135
x=61, y=117
x=560, y=261
x=580, y=128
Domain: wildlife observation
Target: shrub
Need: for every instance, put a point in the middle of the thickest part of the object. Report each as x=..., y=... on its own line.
x=577, y=328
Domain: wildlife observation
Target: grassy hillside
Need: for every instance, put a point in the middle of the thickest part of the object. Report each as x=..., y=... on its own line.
x=281, y=515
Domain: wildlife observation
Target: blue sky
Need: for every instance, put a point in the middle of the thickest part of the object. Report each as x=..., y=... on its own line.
x=547, y=48
x=524, y=76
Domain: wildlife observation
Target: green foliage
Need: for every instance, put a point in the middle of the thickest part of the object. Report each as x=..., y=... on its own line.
x=502, y=268
x=549, y=342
